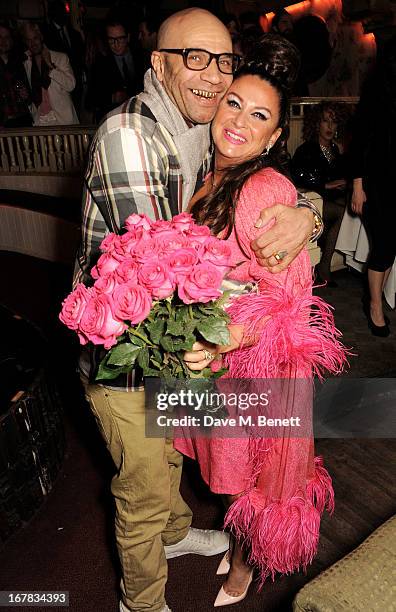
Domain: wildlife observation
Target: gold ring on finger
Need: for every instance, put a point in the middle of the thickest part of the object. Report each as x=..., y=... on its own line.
x=280, y=255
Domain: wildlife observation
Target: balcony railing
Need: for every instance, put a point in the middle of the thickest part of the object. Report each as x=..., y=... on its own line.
x=51, y=150
x=62, y=150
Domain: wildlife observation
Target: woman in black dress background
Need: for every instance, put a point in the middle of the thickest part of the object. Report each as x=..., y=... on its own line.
x=373, y=155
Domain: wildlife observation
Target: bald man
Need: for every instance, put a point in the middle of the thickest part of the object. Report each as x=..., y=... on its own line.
x=149, y=156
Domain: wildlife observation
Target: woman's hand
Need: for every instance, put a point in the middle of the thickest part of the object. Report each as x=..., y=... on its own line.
x=290, y=233
x=203, y=353
x=358, y=196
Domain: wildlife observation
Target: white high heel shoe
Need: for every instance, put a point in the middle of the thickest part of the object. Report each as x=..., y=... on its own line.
x=224, y=566
x=223, y=599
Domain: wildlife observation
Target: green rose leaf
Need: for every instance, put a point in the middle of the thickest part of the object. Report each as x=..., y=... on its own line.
x=156, y=330
x=182, y=313
x=143, y=358
x=157, y=355
x=167, y=343
x=136, y=340
x=180, y=328
x=123, y=354
x=107, y=373
x=140, y=333
x=172, y=344
x=176, y=328
x=204, y=310
x=151, y=372
x=214, y=330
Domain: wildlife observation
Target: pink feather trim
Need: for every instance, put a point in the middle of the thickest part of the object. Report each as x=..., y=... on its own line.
x=292, y=332
x=282, y=536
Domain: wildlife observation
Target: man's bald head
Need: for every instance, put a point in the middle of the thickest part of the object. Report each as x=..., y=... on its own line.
x=178, y=25
x=195, y=92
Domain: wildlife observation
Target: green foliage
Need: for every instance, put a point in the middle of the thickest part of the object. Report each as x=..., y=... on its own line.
x=158, y=344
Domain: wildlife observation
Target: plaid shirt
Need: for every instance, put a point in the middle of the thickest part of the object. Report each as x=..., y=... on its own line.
x=134, y=167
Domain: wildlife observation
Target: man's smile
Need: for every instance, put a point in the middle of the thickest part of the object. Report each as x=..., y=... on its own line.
x=202, y=93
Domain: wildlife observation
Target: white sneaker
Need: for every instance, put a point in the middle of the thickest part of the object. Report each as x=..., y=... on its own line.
x=206, y=542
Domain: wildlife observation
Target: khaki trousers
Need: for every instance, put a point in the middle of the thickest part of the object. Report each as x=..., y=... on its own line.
x=150, y=511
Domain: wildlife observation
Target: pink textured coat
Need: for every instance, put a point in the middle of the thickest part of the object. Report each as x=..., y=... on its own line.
x=284, y=487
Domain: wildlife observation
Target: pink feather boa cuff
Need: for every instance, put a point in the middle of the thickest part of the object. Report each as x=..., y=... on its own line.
x=299, y=336
x=282, y=536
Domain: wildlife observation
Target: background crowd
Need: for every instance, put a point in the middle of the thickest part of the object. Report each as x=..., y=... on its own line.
x=54, y=74
x=106, y=60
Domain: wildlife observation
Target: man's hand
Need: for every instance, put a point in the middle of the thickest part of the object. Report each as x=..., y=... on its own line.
x=358, y=196
x=292, y=229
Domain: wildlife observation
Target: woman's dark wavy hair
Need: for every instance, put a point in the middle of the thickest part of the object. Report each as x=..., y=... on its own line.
x=340, y=111
x=276, y=61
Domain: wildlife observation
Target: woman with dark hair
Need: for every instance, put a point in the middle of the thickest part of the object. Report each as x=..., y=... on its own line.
x=373, y=154
x=319, y=165
x=274, y=487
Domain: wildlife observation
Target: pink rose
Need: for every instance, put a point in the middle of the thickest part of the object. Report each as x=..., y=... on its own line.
x=98, y=323
x=157, y=278
x=74, y=305
x=167, y=242
x=105, y=264
x=160, y=226
x=201, y=285
x=197, y=235
x=108, y=243
x=131, y=302
x=107, y=283
x=181, y=262
x=131, y=239
x=134, y=221
x=118, y=246
x=183, y=222
x=146, y=250
x=127, y=271
x=218, y=252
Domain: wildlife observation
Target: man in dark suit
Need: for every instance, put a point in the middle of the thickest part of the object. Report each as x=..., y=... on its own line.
x=116, y=76
x=15, y=95
x=59, y=35
x=147, y=37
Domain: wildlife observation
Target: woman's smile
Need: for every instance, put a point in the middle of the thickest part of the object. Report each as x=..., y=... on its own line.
x=233, y=137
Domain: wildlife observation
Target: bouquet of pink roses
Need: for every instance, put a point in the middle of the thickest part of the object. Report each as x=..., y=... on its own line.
x=156, y=291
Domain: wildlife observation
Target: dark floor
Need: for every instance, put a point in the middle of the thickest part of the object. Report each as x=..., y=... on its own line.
x=69, y=544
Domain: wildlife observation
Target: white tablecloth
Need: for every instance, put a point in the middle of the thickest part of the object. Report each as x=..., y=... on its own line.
x=353, y=243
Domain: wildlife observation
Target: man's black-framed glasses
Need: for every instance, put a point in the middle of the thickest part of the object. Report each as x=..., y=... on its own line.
x=199, y=59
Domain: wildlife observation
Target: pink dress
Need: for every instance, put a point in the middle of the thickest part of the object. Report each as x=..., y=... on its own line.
x=284, y=487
